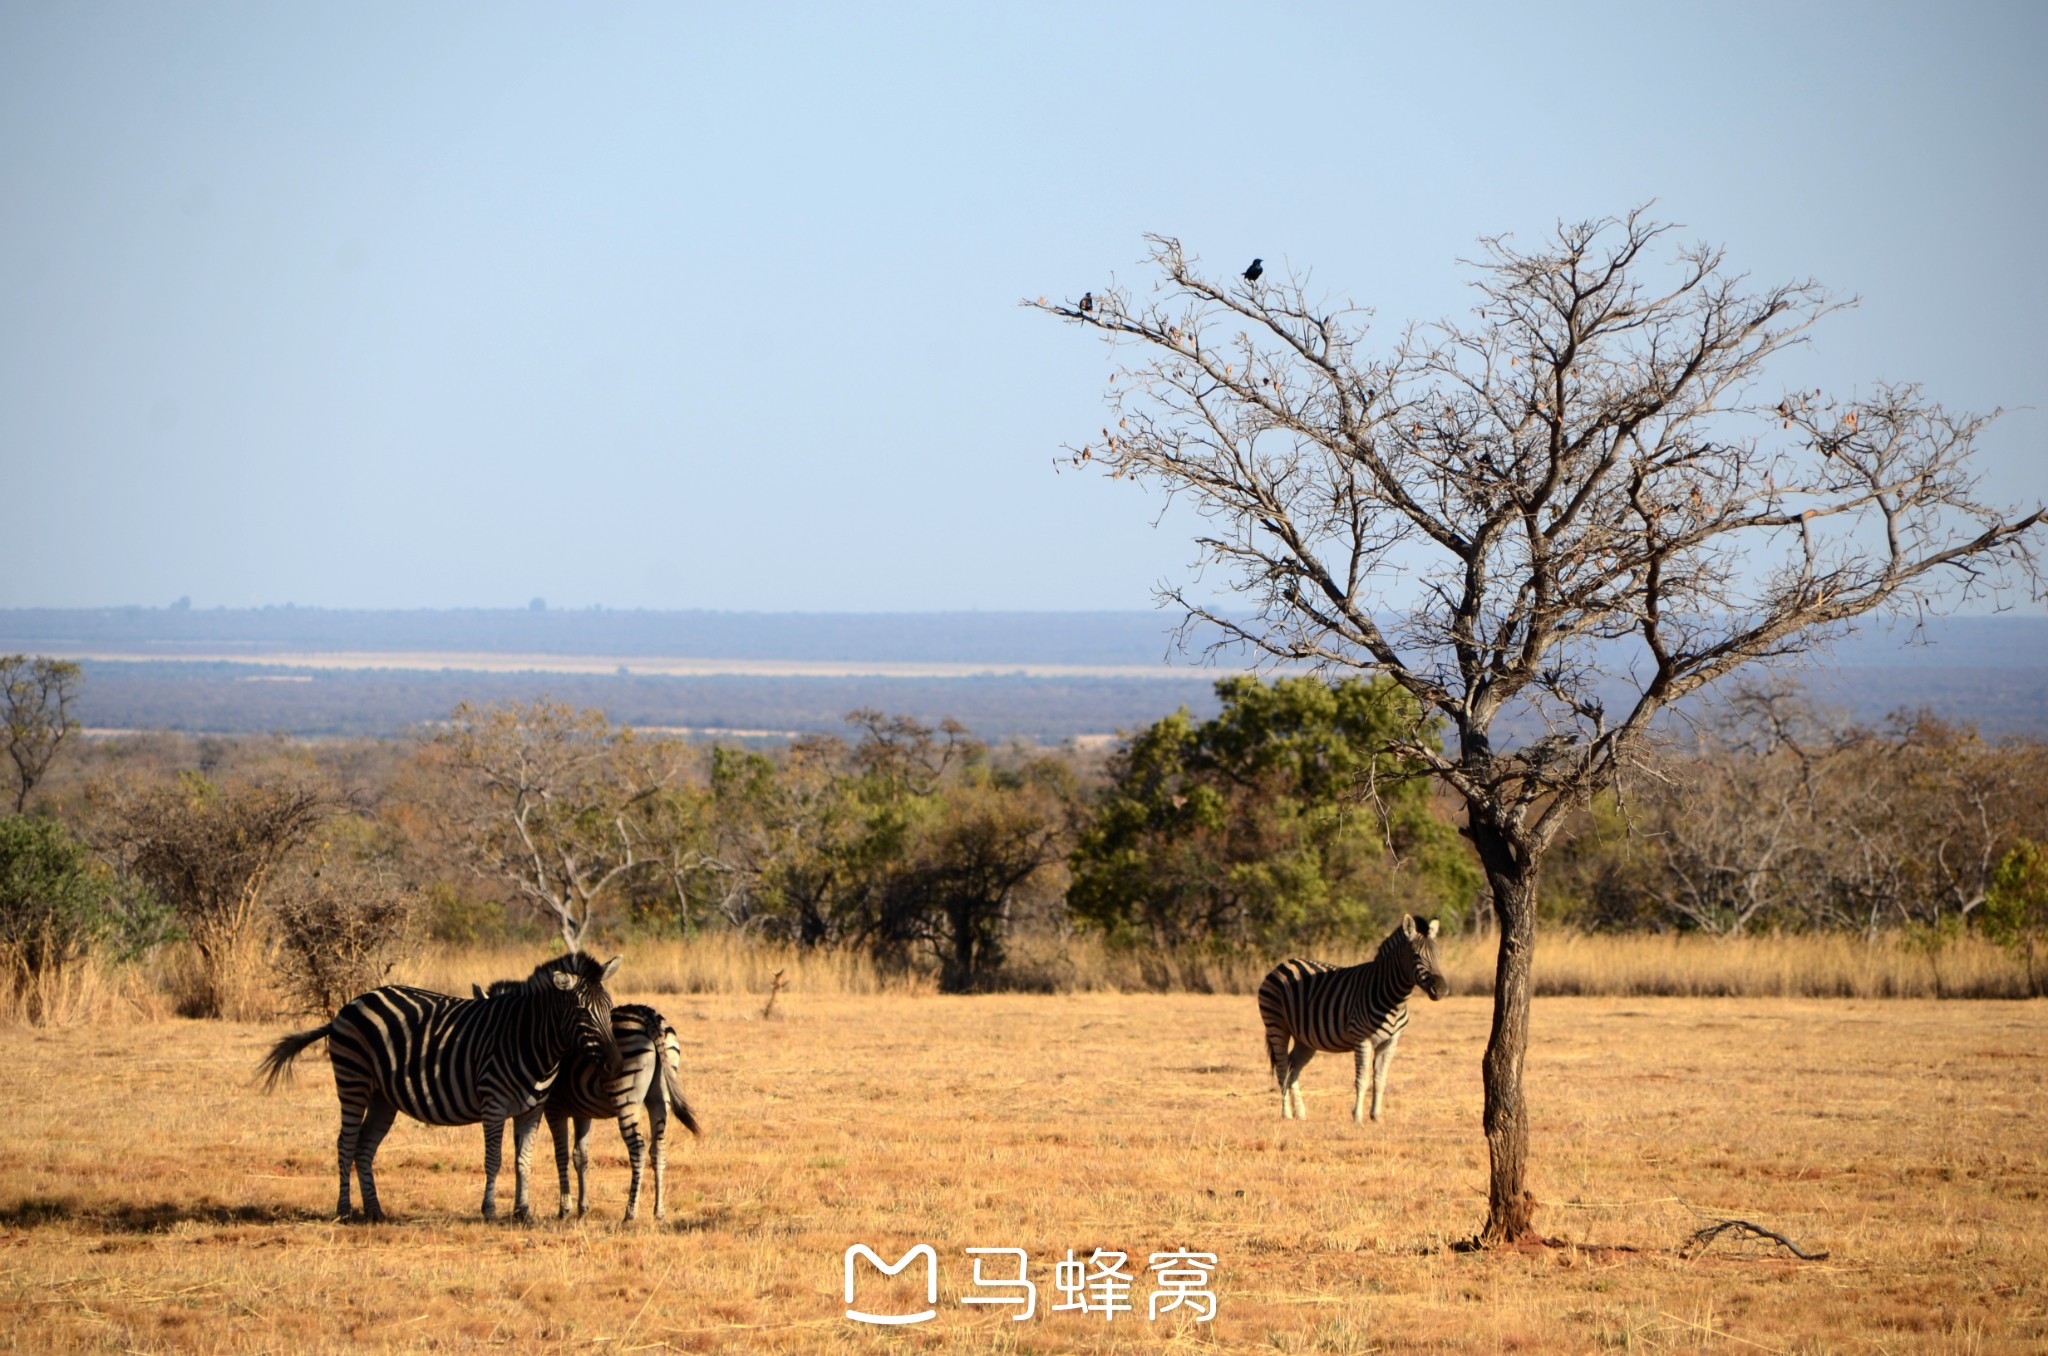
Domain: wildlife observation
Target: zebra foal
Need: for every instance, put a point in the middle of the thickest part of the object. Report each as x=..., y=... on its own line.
x=1355, y=1008
x=455, y=1061
x=649, y=1073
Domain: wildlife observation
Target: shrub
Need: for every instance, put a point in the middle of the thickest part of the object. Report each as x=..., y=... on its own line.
x=341, y=928
x=58, y=907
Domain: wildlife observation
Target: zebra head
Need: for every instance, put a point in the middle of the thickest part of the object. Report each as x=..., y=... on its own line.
x=1420, y=934
x=577, y=983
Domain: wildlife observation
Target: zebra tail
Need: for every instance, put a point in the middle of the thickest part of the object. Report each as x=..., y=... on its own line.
x=277, y=1065
x=672, y=1087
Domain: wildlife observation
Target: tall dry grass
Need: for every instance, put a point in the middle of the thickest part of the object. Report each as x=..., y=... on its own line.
x=1820, y=965
x=1567, y=965
x=87, y=991
x=717, y=964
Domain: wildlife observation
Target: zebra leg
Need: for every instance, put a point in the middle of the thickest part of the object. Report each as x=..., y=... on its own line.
x=558, y=1131
x=377, y=1118
x=1276, y=1053
x=582, y=1157
x=494, y=1148
x=657, y=1136
x=345, y=1151
x=636, y=1150
x=1296, y=1062
x=522, y=1163
x=1358, y=1088
x=1382, y=1056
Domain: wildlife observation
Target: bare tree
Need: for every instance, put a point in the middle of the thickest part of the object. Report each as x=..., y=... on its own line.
x=1560, y=516
x=35, y=704
x=547, y=799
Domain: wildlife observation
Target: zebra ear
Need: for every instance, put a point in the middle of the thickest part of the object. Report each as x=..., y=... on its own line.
x=611, y=967
x=476, y=990
x=563, y=979
x=1432, y=926
x=1408, y=924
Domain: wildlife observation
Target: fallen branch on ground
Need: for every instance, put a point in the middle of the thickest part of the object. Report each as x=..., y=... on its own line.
x=1704, y=1238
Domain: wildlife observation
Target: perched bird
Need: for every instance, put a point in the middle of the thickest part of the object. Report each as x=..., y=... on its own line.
x=1252, y=274
x=1087, y=301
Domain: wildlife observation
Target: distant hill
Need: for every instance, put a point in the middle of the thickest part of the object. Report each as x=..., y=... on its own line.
x=957, y=637
x=262, y=670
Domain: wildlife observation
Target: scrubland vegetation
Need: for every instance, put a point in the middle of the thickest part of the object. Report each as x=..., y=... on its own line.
x=1772, y=852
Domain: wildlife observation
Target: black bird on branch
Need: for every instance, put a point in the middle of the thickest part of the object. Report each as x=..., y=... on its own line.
x=1252, y=274
x=1087, y=301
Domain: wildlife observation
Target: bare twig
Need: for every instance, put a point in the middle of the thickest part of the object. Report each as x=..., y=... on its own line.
x=1704, y=1238
x=774, y=991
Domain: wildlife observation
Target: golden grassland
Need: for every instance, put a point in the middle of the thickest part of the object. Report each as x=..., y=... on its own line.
x=1621, y=965
x=1569, y=964
x=151, y=1198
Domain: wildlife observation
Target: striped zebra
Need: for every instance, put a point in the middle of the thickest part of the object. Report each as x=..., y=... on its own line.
x=455, y=1061
x=649, y=1073
x=1323, y=1007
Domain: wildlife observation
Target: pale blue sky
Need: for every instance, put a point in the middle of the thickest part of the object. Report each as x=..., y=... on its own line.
x=677, y=306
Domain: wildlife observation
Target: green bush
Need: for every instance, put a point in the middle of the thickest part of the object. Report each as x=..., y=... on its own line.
x=58, y=906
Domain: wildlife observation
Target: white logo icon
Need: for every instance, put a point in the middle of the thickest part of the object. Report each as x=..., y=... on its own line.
x=931, y=1274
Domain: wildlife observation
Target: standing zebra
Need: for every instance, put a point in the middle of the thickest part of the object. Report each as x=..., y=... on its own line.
x=649, y=1072
x=1323, y=1007
x=455, y=1061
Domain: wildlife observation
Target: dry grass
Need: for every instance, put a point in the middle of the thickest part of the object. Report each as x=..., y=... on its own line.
x=1819, y=965
x=152, y=1199
x=89, y=990
x=1567, y=964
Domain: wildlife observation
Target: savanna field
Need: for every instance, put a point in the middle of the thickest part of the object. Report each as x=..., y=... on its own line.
x=153, y=1198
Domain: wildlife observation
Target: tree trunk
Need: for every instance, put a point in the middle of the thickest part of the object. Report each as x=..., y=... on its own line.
x=1511, y=871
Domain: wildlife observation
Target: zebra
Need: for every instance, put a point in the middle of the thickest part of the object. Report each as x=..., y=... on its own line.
x=647, y=1044
x=1323, y=1007
x=455, y=1061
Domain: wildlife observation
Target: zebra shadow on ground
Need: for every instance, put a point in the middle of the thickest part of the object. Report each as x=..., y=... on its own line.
x=131, y=1217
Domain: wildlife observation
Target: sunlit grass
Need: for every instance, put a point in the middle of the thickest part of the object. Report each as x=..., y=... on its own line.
x=1689, y=965
x=151, y=1198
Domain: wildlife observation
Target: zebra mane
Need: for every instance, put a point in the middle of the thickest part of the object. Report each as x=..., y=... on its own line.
x=575, y=963
x=1394, y=943
x=580, y=964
